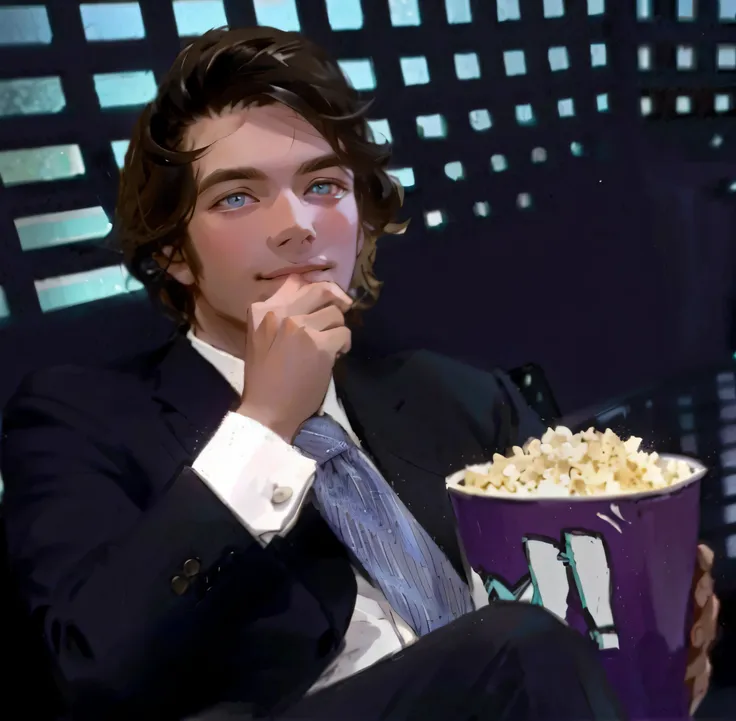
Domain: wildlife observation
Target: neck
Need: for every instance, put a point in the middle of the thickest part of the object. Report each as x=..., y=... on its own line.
x=224, y=333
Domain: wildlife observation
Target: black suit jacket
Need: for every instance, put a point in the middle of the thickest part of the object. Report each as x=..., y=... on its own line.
x=103, y=510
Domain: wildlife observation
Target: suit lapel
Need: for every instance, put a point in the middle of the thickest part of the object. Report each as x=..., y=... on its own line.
x=193, y=395
x=414, y=434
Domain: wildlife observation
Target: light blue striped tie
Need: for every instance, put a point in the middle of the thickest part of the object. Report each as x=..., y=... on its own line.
x=369, y=518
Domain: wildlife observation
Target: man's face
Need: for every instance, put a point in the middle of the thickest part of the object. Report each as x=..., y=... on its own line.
x=272, y=201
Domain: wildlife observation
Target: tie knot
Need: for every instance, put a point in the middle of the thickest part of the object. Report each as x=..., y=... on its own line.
x=322, y=438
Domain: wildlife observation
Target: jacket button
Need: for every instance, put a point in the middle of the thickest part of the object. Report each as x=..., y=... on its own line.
x=179, y=585
x=192, y=567
x=281, y=494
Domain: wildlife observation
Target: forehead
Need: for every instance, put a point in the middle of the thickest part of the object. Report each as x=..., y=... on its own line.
x=269, y=137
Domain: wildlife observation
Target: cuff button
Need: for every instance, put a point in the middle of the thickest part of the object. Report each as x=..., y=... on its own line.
x=179, y=585
x=281, y=494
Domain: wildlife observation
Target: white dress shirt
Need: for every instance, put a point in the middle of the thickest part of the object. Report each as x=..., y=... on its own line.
x=264, y=481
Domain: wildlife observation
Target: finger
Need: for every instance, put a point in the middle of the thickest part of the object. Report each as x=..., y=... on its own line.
x=323, y=319
x=705, y=627
x=319, y=295
x=697, y=667
x=288, y=289
x=704, y=590
x=705, y=557
x=336, y=341
x=700, y=688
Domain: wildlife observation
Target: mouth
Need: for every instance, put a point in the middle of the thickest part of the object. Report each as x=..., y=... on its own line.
x=295, y=270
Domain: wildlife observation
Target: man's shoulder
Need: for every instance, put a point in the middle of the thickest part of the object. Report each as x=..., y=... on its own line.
x=89, y=387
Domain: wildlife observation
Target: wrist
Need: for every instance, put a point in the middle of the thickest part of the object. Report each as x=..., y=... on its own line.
x=280, y=426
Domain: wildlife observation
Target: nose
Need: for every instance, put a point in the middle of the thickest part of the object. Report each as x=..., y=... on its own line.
x=292, y=225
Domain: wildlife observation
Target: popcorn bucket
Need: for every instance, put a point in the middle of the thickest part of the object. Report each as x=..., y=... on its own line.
x=619, y=569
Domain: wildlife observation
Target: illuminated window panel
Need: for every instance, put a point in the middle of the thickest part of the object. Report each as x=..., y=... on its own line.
x=686, y=9
x=644, y=9
x=281, y=14
x=523, y=201
x=359, y=73
x=558, y=59
x=455, y=170
x=515, y=62
x=4, y=313
x=722, y=103
x=415, y=70
x=566, y=108
x=576, y=149
x=598, y=54
x=53, y=229
x=112, y=21
x=31, y=96
x=645, y=57
x=596, y=7
x=431, y=126
x=404, y=13
x=683, y=105
x=498, y=163
x=381, y=130
x=646, y=106
x=554, y=8
x=467, y=66
x=525, y=115
x=119, y=149
x=458, y=11
x=344, y=14
x=725, y=59
x=482, y=209
x=70, y=290
x=601, y=102
x=196, y=17
x=405, y=176
x=539, y=155
x=715, y=142
x=34, y=165
x=24, y=25
x=480, y=120
x=727, y=10
x=435, y=218
x=507, y=10
x=128, y=89
x=685, y=57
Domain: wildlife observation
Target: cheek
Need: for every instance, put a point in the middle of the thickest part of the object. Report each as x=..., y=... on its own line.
x=221, y=245
x=338, y=230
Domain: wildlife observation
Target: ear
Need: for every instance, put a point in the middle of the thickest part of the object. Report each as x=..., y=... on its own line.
x=176, y=265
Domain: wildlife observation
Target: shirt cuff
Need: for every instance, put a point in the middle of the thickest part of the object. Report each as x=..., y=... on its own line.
x=258, y=475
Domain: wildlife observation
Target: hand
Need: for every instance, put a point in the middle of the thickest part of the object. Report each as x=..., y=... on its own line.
x=292, y=342
x=704, y=629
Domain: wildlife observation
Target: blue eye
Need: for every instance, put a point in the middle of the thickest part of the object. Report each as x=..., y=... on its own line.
x=325, y=189
x=234, y=201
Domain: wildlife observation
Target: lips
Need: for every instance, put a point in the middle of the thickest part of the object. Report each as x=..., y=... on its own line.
x=295, y=270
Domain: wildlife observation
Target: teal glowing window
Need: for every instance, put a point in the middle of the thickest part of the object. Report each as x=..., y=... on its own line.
x=598, y=55
x=467, y=66
x=480, y=120
x=524, y=201
x=119, y=149
x=558, y=58
x=70, y=290
x=381, y=131
x=404, y=12
x=646, y=106
x=359, y=73
x=539, y=155
x=498, y=163
x=281, y=14
x=644, y=9
x=117, y=90
x=4, y=313
x=482, y=209
x=53, y=229
x=683, y=105
x=31, y=96
x=34, y=165
x=725, y=59
x=431, y=126
x=415, y=70
x=344, y=14
x=727, y=10
x=515, y=62
x=596, y=7
x=24, y=25
x=685, y=57
x=576, y=149
x=112, y=21
x=196, y=17
x=525, y=115
x=554, y=8
x=645, y=57
x=566, y=108
x=722, y=103
x=458, y=11
x=454, y=170
x=405, y=176
x=435, y=218
x=507, y=10
x=601, y=102
x=686, y=9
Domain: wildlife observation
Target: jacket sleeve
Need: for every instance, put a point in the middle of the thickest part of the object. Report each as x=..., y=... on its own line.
x=131, y=584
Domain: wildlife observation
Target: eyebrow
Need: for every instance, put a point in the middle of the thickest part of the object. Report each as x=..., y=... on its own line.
x=244, y=173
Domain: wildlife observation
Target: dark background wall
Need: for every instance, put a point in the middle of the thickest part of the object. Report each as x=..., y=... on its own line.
x=610, y=262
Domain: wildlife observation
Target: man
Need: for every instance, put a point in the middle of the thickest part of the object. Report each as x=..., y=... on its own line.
x=222, y=529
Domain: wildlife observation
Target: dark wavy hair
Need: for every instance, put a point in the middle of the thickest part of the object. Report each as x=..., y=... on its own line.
x=221, y=69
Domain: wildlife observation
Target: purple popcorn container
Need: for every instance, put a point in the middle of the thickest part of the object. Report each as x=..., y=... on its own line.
x=618, y=569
